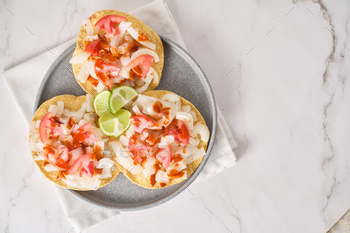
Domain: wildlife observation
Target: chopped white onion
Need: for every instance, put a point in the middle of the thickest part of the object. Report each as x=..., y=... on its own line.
x=194, y=141
x=162, y=177
x=139, y=82
x=125, y=60
x=147, y=81
x=135, y=35
x=78, y=115
x=167, y=140
x=37, y=124
x=187, y=151
x=89, y=150
x=186, y=118
x=201, y=130
x=124, y=73
x=115, y=40
x=50, y=168
x=88, y=27
x=76, y=153
x=89, y=100
x=100, y=87
x=60, y=107
x=32, y=126
x=155, y=76
x=91, y=38
x=100, y=144
x=145, y=52
x=40, y=145
x=107, y=153
x=170, y=97
x=136, y=110
x=105, y=164
x=79, y=58
x=148, y=171
x=124, y=140
x=178, y=166
x=130, y=131
x=53, y=109
x=150, y=162
x=144, y=135
x=198, y=154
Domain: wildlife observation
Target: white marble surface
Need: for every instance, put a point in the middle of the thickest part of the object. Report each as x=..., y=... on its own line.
x=287, y=100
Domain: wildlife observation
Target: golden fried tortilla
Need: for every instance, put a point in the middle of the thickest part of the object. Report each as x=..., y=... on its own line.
x=136, y=23
x=143, y=181
x=71, y=103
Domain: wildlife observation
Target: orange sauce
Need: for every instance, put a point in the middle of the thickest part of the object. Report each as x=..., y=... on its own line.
x=98, y=152
x=97, y=171
x=173, y=174
x=71, y=123
x=133, y=75
x=157, y=107
x=153, y=179
x=93, y=81
x=143, y=38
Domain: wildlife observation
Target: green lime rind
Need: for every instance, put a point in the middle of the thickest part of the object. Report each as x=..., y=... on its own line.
x=100, y=102
x=116, y=124
x=121, y=96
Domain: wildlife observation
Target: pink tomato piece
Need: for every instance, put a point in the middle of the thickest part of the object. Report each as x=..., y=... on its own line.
x=137, y=149
x=181, y=133
x=142, y=122
x=93, y=47
x=109, y=24
x=165, y=156
x=48, y=122
x=62, y=161
x=88, y=170
x=84, y=161
x=145, y=60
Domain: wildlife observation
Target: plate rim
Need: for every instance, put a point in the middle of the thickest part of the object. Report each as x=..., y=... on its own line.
x=198, y=170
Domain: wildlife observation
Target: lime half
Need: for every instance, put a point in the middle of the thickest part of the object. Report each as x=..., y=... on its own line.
x=114, y=124
x=120, y=96
x=101, y=102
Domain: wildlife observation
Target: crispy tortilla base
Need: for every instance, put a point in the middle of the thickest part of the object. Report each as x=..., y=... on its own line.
x=71, y=103
x=145, y=181
x=136, y=23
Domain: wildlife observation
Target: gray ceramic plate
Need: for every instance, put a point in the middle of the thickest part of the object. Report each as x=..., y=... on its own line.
x=182, y=75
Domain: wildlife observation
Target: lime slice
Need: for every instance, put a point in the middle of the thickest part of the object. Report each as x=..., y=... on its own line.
x=101, y=102
x=114, y=124
x=120, y=96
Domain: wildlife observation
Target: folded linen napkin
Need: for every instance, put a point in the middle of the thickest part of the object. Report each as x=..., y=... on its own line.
x=24, y=81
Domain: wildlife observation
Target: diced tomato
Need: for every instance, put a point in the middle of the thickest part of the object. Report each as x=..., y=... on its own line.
x=145, y=60
x=81, y=135
x=142, y=122
x=164, y=156
x=48, y=122
x=181, y=133
x=137, y=149
x=62, y=161
x=93, y=47
x=108, y=24
x=85, y=161
x=49, y=153
x=87, y=170
x=102, y=71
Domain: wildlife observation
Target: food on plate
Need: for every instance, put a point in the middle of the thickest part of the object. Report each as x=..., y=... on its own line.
x=165, y=143
x=115, y=48
x=68, y=146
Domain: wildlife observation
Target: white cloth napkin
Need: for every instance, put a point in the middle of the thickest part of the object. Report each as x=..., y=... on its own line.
x=24, y=81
